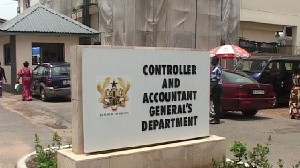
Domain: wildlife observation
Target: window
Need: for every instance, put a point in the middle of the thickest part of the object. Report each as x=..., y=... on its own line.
x=36, y=56
x=28, y=4
x=274, y=67
x=237, y=78
x=6, y=49
x=251, y=65
x=42, y=71
x=291, y=66
x=47, y=52
x=63, y=70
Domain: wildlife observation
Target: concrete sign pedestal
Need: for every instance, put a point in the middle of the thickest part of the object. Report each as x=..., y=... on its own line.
x=192, y=153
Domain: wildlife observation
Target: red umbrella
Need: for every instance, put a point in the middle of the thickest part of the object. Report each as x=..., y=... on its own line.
x=229, y=51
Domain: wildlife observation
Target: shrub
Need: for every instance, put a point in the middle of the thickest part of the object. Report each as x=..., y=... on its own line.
x=257, y=158
x=46, y=158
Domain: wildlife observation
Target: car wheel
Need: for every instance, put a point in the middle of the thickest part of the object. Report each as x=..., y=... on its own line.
x=249, y=113
x=212, y=110
x=43, y=95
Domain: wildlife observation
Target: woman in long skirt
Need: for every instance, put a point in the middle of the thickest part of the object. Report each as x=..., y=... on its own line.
x=26, y=74
x=295, y=96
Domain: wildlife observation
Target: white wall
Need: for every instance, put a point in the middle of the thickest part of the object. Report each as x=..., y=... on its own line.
x=32, y=2
x=24, y=44
x=276, y=12
x=258, y=31
x=95, y=21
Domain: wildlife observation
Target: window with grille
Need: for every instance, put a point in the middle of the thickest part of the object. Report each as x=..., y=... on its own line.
x=6, y=54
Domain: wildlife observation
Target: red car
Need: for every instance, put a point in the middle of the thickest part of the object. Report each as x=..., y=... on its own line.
x=242, y=93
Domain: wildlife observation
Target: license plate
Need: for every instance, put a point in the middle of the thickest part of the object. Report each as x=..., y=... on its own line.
x=259, y=92
x=66, y=82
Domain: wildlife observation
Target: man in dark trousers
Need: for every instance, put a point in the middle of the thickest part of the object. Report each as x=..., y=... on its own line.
x=216, y=88
x=2, y=76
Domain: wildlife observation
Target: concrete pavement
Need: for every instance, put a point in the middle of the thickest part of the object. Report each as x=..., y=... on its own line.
x=276, y=123
x=20, y=121
x=54, y=114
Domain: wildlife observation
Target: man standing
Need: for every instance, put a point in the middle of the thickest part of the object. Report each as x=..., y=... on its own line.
x=2, y=76
x=216, y=88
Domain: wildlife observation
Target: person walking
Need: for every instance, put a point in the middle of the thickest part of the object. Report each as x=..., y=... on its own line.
x=216, y=88
x=2, y=76
x=294, y=104
x=26, y=74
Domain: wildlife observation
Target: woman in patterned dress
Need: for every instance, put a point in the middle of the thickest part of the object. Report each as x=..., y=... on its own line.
x=295, y=96
x=26, y=74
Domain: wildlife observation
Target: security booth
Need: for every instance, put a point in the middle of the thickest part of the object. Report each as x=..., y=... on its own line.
x=38, y=35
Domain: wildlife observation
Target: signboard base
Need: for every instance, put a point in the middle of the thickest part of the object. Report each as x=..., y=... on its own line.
x=192, y=153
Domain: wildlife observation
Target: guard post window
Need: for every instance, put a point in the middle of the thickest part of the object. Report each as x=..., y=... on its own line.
x=6, y=49
x=36, y=56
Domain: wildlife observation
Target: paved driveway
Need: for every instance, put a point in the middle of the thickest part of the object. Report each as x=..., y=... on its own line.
x=17, y=133
x=48, y=117
x=284, y=131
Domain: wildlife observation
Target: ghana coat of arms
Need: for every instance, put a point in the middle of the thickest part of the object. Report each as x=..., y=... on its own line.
x=113, y=96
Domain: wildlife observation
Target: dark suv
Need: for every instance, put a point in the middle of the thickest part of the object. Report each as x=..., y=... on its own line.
x=275, y=71
x=51, y=80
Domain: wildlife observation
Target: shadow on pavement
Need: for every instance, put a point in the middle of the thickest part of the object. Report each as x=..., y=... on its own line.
x=238, y=116
x=53, y=100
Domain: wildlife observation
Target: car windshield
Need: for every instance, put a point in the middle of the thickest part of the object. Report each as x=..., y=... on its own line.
x=60, y=70
x=237, y=77
x=251, y=65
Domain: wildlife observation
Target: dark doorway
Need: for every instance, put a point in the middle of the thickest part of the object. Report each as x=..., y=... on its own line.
x=47, y=52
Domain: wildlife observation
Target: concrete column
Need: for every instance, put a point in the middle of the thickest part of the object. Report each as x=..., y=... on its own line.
x=296, y=40
x=77, y=111
x=13, y=61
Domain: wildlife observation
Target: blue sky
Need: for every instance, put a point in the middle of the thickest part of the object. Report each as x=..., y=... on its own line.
x=8, y=9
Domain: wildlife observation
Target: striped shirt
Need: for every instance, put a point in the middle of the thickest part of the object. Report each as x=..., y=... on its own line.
x=215, y=74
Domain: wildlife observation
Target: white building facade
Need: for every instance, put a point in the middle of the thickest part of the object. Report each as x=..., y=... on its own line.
x=260, y=20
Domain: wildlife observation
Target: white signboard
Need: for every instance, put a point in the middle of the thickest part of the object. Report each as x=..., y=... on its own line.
x=134, y=97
